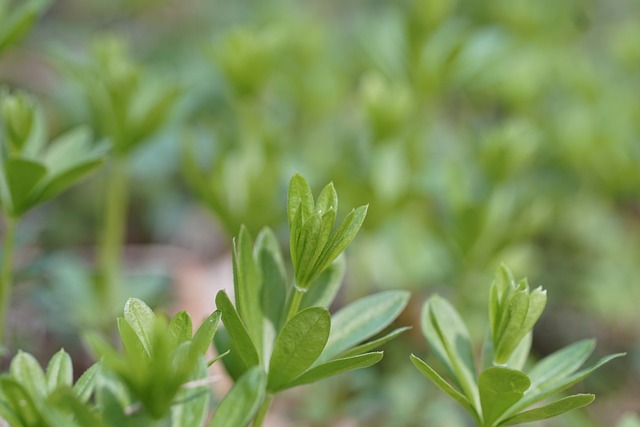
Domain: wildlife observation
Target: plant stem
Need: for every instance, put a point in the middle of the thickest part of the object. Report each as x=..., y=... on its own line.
x=262, y=412
x=113, y=232
x=10, y=225
x=294, y=305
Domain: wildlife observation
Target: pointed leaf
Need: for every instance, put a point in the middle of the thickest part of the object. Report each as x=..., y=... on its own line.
x=191, y=405
x=362, y=319
x=233, y=363
x=83, y=388
x=132, y=344
x=140, y=317
x=443, y=385
x=204, y=336
x=372, y=345
x=83, y=414
x=26, y=370
x=298, y=345
x=59, y=371
x=324, y=289
x=274, y=277
x=336, y=367
x=21, y=402
x=66, y=179
x=23, y=177
x=343, y=236
x=240, y=342
x=511, y=332
x=19, y=22
x=306, y=247
x=180, y=328
x=327, y=200
x=449, y=340
x=500, y=388
x=299, y=197
x=247, y=283
x=554, y=409
x=240, y=405
x=561, y=363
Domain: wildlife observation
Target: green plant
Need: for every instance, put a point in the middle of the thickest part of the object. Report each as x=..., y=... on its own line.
x=280, y=333
x=501, y=392
x=33, y=171
x=15, y=21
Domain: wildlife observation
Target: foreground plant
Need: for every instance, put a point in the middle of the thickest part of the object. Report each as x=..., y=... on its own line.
x=280, y=333
x=501, y=393
x=32, y=171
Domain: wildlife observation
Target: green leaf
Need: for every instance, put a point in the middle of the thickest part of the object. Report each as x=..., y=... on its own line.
x=449, y=340
x=535, y=395
x=26, y=370
x=240, y=342
x=180, y=328
x=233, y=363
x=59, y=371
x=327, y=200
x=537, y=303
x=21, y=402
x=561, y=363
x=247, y=283
x=23, y=177
x=240, y=405
x=443, y=385
x=299, y=198
x=61, y=182
x=83, y=388
x=554, y=409
x=298, y=345
x=500, y=388
x=140, y=317
x=325, y=288
x=83, y=414
x=191, y=405
x=274, y=277
x=343, y=236
x=336, y=367
x=362, y=319
x=511, y=330
x=372, y=345
x=132, y=344
x=204, y=336
x=20, y=21
x=305, y=248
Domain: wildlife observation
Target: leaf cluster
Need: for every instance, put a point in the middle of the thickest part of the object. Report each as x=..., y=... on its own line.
x=501, y=392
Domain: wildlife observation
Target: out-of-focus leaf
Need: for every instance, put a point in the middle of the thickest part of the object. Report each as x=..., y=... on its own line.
x=23, y=177
x=59, y=371
x=20, y=21
x=140, y=317
x=181, y=327
x=551, y=410
x=240, y=405
x=26, y=370
x=84, y=386
x=191, y=405
x=205, y=333
x=371, y=345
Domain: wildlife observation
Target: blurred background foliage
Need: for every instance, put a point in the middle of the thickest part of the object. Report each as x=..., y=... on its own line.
x=478, y=132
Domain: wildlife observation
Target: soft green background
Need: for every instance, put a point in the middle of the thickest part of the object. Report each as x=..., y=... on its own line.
x=478, y=132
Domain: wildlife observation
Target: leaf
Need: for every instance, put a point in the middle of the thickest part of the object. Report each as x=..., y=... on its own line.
x=136, y=352
x=500, y=388
x=21, y=402
x=83, y=415
x=191, y=405
x=561, y=363
x=299, y=197
x=23, y=177
x=247, y=283
x=325, y=288
x=59, y=371
x=140, y=317
x=449, y=340
x=274, y=277
x=181, y=328
x=554, y=409
x=372, y=345
x=511, y=330
x=298, y=345
x=362, y=319
x=240, y=342
x=83, y=388
x=19, y=22
x=205, y=333
x=61, y=182
x=443, y=385
x=26, y=370
x=233, y=363
x=305, y=248
x=336, y=367
x=535, y=395
x=343, y=236
x=241, y=404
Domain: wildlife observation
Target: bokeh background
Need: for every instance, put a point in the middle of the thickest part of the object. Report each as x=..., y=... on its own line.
x=478, y=132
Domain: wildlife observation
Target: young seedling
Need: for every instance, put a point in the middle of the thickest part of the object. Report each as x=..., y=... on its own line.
x=280, y=333
x=501, y=393
x=32, y=171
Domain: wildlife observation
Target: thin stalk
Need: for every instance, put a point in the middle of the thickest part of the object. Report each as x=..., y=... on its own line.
x=262, y=412
x=296, y=299
x=113, y=232
x=6, y=274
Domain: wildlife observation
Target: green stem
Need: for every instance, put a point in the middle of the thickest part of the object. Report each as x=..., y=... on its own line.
x=296, y=299
x=113, y=232
x=262, y=412
x=10, y=226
